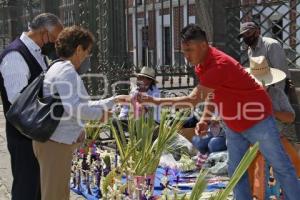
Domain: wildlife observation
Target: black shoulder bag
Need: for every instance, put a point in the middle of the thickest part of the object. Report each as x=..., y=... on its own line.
x=33, y=115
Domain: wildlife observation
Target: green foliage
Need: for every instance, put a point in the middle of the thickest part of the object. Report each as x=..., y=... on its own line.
x=239, y=172
x=199, y=187
x=223, y=194
x=93, y=130
x=106, y=161
x=141, y=151
x=108, y=181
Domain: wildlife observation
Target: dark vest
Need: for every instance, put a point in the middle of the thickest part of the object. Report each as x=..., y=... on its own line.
x=34, y=68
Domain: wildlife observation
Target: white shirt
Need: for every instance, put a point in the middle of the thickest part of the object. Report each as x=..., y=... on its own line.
x=15, y=71
x=63, y=79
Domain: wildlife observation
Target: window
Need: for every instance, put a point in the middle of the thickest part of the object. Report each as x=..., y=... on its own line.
x=145, y=45
x=167, y=46
x=139, y=2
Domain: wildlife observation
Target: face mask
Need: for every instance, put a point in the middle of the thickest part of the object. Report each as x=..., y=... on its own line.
x=85, y=65
x=49, y=51
x=250, y=40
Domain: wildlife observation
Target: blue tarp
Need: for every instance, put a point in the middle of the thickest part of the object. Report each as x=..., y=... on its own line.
x=183, y=178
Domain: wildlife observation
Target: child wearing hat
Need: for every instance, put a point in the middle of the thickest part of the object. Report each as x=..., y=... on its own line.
x=146, y=83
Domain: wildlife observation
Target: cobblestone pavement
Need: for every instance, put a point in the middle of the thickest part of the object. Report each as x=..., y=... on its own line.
x=5, y=172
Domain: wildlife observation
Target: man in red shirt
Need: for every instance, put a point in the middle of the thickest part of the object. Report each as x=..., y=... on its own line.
x=245, y=107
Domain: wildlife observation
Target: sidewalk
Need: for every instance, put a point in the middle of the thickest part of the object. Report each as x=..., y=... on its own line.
x=5, y=172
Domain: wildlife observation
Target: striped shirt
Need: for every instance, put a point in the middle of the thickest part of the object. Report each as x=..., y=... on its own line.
x=15, y=71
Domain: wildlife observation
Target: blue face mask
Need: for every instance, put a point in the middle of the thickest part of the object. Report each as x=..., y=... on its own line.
x=85, y=65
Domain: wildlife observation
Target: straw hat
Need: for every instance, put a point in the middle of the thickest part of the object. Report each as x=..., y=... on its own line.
x=147, y=72
x=262, y=73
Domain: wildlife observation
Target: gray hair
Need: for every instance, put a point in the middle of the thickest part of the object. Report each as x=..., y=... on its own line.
x=45, y=20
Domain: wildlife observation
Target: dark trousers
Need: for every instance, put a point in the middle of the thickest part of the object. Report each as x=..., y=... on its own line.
x=24, y=166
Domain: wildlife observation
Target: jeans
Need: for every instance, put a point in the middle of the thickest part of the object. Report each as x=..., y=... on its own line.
x=209, y=143
x=266, y=133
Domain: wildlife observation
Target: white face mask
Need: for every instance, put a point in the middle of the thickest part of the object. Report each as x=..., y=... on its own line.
x=85, y=65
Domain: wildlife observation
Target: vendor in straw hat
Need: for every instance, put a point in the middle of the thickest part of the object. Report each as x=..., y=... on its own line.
x=146, y=83
x=146, y=80
x=265, y=46
x=283, y=111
